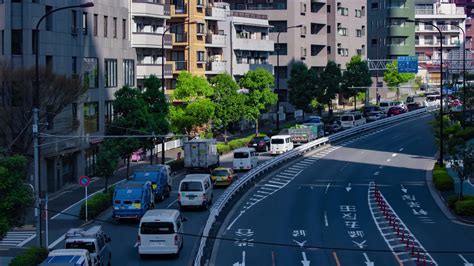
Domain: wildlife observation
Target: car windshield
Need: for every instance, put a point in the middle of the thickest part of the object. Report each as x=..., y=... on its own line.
x=258, y=139
x=278, y=141
x=241, y=155
x=220, y=173
x=191, y=186
x=156, y=228
x=383, y=104
x=90, y=246
x=347, y=118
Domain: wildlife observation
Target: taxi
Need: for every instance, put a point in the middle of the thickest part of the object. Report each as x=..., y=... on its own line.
x=223, y=176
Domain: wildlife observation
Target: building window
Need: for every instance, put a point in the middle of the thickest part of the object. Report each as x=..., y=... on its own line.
x=91, y=160
x=84, y=23
x=342, y=31
x=374, y=6
x=343, y=11
x=373, y=42
x=282, y=71
x=359, y=52
x=328, y=28
x=315, y=28
x=90, y=69
x=115, y=27
x=343, y=52
x=278, y=25
x=124, y=29
x=129, y=72
x=73, y=21
x=96, y=22
x=201, y=56
x=105, y=25
x=328, y=49
x=110, y=73
x=282, y=48
x=91, y=117
x=74, y=65
x=17, y=42
x=358, y=33
x=109, y=113
x=200, y=28
x=49, y=62
x=49, y=19
x=328, y=7
x=358, y=13
x=316, y=49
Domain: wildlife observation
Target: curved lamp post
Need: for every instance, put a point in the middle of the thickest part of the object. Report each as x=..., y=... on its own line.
x=463, y=76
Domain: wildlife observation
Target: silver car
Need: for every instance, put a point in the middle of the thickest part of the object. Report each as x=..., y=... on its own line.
x=375, y=115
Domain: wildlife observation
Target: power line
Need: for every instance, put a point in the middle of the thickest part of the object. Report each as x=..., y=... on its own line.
x=266, y=243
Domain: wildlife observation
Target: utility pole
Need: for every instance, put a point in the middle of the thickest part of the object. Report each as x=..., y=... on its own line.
x=36, y=177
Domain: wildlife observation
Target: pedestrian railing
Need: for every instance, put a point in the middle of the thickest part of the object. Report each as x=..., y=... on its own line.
x=263, y=168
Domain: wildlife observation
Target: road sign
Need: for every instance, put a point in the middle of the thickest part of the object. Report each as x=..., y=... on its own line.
x=84, y=181
x=407, y=64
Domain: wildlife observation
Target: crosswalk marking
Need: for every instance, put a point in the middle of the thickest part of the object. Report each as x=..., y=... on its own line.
x=17, y=238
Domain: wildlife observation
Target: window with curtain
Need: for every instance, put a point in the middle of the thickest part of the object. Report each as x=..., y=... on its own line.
x=110, y=73
x=129, y=72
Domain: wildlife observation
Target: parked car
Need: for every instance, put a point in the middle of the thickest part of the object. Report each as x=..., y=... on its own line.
x=375, y=115
x=395, y=110
x=331, y=129
x=94, y=240
x=195, y=190
x=260, y=144
x=366, y=110
x=223, y=176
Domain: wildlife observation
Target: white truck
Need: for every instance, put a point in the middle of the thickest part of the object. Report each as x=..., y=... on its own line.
x=200, y=155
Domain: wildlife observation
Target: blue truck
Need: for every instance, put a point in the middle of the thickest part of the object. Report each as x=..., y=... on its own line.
x=159, y=177
x=132, y=200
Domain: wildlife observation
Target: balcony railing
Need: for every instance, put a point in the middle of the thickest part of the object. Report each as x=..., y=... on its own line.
x=180, y=65
x=180, y=38
x=247, y=15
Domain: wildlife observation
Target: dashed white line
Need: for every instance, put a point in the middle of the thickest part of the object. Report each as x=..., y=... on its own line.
x=327, y=188
x=326, y=219
x=401, y=149
x=270, y=185
x=377, y=173
x=171, y=204
x=388, y=160
x=393, y=155
x=277, y=183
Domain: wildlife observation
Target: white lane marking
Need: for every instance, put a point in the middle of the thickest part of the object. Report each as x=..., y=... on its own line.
x=388, y=160
x=263, y=192
x=401, y=149
x=349, y=187
x=270, y=185
x=291, y=171
x=26, y=240
x=259, y=196
x=297, y=167
x=171, y=204
x=326, y=223
x=377, y=173
x=367, y=260
x=466, y=263
x=55, y=243
x=267, y=188
x=285, y=174
x=327, y=188
x=380, y=167
x=393, y=155
x=305, y=260
x=235, y=220
x=276, y=183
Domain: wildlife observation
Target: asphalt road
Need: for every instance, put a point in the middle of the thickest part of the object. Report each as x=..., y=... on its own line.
x=322, y=210
x=124, y=235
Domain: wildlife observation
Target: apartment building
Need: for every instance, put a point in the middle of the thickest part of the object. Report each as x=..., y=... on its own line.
x=93, y=43
x=389, y=36
x=443, y=15
x=468, y=6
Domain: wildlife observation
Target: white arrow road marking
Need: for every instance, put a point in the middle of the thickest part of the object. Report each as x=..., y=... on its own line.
x=361, y=244
x=301, y=244
x=466, y=263
x=348, y=188
x=326, y=219
x=305, y=260
x=367, y=261
x=403, y=189
x=327, y=188
x=243, y=260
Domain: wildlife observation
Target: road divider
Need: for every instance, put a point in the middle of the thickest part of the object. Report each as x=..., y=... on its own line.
x=267, y=166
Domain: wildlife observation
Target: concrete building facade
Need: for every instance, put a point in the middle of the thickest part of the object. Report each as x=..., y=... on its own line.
x=93, y=43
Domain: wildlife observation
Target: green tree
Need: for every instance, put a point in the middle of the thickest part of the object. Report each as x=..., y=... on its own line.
x=15, y=194
x=132, y=118
x=229, y=103
x=260, y=97
x=302, y=85
x=195, y=110
x=329, y=85
x=393, y=78
x=107, y=161
x=462, y=163
x=356, y=75
x=158, y=110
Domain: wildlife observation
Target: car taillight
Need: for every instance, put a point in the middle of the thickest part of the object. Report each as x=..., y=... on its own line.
x=176, y=240
x=229, y=178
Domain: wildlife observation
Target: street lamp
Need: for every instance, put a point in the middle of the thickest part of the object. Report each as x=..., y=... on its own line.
x=163, y=74
x=278, y=73
x=36, y=106
x=441, y=141
x=463, y=76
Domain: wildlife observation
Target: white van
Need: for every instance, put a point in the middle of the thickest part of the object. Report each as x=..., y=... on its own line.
x=195, y=190
x=160, y=232
x=245, y=159
x=280, y=144
x=352, y=119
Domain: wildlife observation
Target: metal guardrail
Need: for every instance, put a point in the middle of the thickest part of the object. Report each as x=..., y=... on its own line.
x=268, y=165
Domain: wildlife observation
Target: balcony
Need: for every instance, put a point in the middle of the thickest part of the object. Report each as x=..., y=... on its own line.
x=241, y=69
x=215, y=40
x=253, y=44
x=400, y=31
x=150, y=8
x=179, y=66
x=150, y=40
x=216, y=67
x=400, y=12
x=216, y=13
x=180, y=39
x=399, y=50
x=179, y=11
x=145, y=70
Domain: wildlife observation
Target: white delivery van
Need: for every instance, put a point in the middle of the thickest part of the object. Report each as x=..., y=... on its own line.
x=280, y=144
x=352, y=119
x=385, y=105
x=245, y=159
x=195, y=190
x=160, y=232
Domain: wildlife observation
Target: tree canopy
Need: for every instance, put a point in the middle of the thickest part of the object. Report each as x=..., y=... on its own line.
x=393, y=78
x=356, y=75
x=302, y=85
x=329, y=85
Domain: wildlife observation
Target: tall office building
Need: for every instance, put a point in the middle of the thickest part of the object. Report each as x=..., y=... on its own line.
x=389, y=36
x=93, y=43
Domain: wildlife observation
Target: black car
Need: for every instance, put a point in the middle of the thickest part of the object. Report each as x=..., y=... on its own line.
x=371, y=108
x=261, y=144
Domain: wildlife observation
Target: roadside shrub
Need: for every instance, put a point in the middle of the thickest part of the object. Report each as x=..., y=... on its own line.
x=96, y=204
x=466, y=134
x=442, y=180
x=464, y=207
x=223, y=148
x=452, y=199
x=30, y=257
x=4, y=226
x=237, y=143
